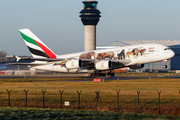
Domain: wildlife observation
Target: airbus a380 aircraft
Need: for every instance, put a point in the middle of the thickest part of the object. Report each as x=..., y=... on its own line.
x=95, y=61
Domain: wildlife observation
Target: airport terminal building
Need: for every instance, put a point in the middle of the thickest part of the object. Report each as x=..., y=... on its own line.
x=172, y=64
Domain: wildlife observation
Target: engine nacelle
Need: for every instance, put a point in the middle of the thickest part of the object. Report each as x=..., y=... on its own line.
x=103, y=65
x=137, y=66
x=73, y=64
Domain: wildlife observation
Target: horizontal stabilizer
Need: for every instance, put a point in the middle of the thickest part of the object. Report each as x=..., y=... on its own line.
x=48, y=59
x=21, y=63
x=41, y=59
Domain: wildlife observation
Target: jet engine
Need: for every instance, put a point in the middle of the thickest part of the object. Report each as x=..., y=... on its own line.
x=137, y=66
x=103, y=65
x=74, y=64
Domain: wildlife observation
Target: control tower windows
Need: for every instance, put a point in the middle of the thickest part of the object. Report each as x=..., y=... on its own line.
x=90, y=5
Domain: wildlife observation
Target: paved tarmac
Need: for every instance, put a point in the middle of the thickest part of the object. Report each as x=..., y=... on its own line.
x=125, y=78
x=106, y=78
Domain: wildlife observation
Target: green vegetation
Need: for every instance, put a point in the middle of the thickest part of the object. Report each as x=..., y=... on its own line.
x=37, y=79
x=51, y=114
x=167, y=86
x=128, y=94
x=147, y=74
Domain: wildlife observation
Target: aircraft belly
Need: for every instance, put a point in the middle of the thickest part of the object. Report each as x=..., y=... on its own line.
x=149, y=59
x=145, y=59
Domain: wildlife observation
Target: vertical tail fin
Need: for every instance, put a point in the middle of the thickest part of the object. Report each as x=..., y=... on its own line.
x=37, y=48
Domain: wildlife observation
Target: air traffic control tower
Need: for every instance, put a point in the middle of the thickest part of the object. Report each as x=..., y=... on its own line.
x=90, y=17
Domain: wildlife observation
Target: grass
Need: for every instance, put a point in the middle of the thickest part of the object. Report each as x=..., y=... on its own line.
x=37, y=79
x=167, y=86
x=128, y=93
x=51, y=114
x=147, y=74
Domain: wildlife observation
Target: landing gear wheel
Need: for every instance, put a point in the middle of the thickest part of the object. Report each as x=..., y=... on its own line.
x=97, y=74
x=102, y=74
x=94, y=74
x=111, y=74
x=164, y=66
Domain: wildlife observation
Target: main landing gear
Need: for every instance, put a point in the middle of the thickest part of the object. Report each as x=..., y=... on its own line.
x=101, y=74
x=111, y=74
x=97, y=74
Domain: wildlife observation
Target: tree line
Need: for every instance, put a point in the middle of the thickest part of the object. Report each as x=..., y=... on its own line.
x=3, y=54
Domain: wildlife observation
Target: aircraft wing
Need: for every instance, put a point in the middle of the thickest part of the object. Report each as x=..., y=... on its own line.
x=93, y=64
x=60, y=61
x=36, y=62
x=90, y=64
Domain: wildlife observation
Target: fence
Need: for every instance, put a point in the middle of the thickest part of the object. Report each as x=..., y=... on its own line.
x=150, y=104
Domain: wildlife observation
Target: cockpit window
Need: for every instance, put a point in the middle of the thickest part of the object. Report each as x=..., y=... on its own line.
x=166, y=48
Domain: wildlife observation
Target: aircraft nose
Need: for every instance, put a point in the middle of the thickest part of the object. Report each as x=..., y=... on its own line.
x=172, y=53
x=169, y=54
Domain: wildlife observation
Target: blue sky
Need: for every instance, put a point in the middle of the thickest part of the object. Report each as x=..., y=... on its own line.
x=57, y=23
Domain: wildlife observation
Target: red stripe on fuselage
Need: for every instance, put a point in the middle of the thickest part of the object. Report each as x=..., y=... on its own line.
x=46, y=50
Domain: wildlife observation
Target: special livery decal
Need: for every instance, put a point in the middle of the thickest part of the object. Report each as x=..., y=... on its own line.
x=114, y=55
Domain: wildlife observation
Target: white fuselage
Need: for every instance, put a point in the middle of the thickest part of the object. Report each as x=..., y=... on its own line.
x=138, y=54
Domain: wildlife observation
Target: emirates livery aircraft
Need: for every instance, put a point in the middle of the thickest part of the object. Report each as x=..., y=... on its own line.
x=95, y=61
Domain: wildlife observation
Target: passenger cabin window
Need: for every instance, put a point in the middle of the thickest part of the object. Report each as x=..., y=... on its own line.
x=167, y=49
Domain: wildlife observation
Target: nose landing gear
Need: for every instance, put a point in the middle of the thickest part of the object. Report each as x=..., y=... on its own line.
x=164, y=66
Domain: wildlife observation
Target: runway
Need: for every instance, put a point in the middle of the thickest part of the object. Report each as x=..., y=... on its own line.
x=125, y=78
x=86, y=78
